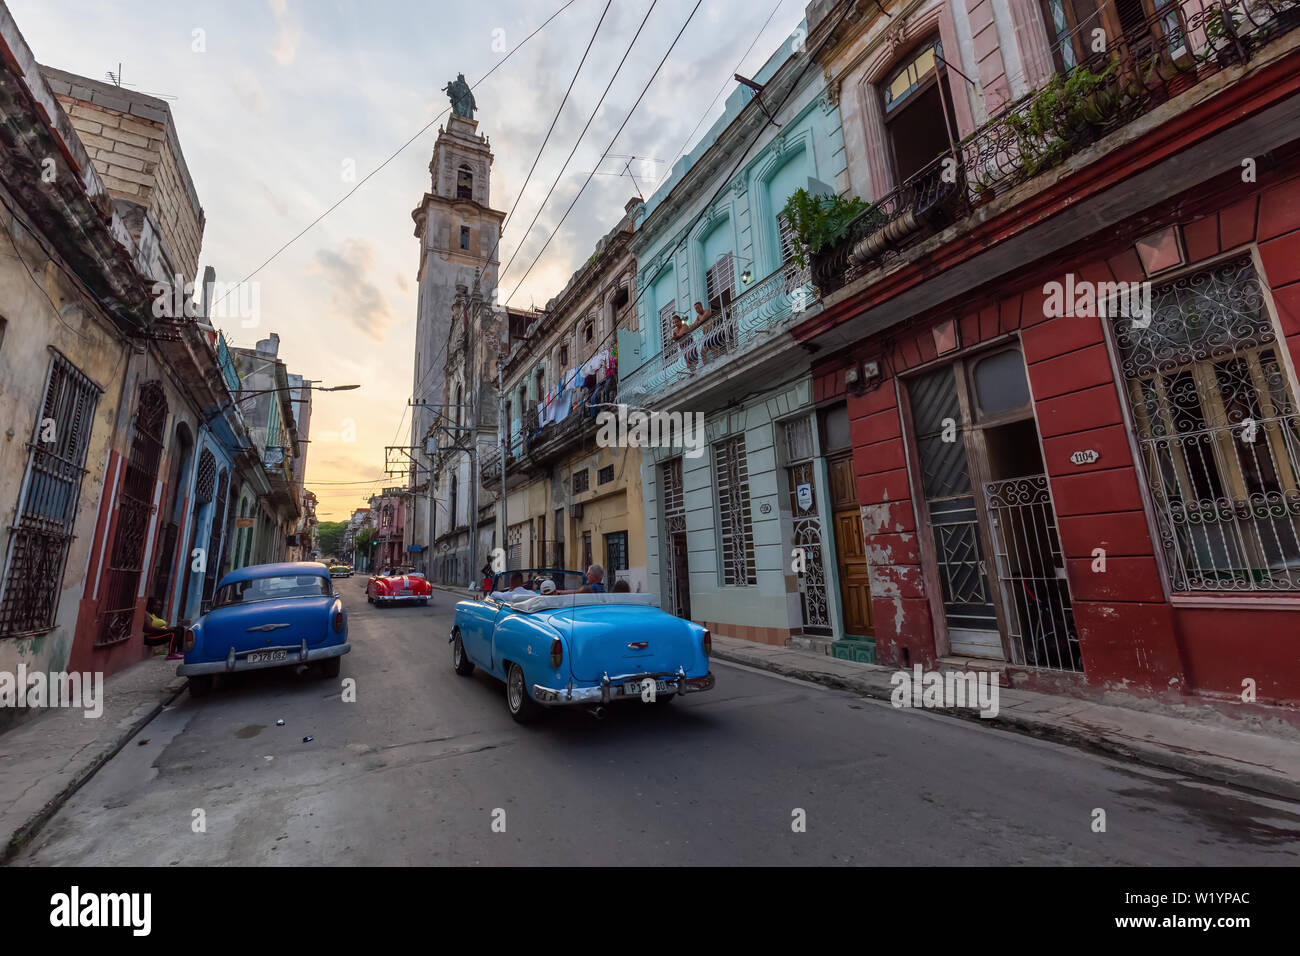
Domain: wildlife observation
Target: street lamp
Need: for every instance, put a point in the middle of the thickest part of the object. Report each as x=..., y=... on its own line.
x=257, y=393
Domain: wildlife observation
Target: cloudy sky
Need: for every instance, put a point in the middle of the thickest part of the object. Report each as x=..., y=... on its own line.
x=286, y=98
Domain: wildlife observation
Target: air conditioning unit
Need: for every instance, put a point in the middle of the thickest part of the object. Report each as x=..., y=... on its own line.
x=577, y=512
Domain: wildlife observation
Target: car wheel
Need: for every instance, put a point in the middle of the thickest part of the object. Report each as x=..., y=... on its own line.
x=200, y=685
x=424, y=602
x=522, y=707
x=459, y=659
x=330, y=666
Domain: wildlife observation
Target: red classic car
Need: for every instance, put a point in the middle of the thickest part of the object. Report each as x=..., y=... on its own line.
x=396, y=585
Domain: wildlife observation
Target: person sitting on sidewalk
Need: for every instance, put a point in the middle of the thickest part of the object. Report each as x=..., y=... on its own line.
x=157, y=631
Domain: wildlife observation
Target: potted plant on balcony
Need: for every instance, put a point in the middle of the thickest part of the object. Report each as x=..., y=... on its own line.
x=819, y=222
x=1071, y=111
x=1223, y=35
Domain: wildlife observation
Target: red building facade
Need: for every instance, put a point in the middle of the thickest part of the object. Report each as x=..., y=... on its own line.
x=1087, y=495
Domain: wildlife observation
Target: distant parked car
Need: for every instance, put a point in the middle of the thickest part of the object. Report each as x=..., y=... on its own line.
x=562, y=649
x=340, y=571
x=398, y=586
x=267, y=615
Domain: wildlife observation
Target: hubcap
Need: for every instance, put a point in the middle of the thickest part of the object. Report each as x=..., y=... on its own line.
x=516, y=688
x=455, y=651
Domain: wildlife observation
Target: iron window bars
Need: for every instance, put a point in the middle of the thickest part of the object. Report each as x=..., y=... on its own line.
x=738, y=569
x=42, y=532
x=1218, y=431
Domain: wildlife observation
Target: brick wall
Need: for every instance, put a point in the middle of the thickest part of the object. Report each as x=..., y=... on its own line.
x=137, y=157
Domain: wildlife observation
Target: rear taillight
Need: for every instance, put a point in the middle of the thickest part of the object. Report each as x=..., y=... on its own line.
x=188, y=640
x=338, y=622
x=707, y=643
x=557, y=652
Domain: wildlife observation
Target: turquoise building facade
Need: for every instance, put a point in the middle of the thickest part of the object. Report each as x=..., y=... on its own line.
x=723, y=522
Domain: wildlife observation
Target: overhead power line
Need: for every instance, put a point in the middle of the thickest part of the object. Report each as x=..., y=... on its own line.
x=348, y=195
x=617, y=133
x=587, y=126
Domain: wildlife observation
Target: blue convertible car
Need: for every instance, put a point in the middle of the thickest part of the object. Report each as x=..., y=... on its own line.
x=267, y=615
x=555, y=645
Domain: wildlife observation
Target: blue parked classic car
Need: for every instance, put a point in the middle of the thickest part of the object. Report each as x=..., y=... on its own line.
x=553, y=647
x=267, y=615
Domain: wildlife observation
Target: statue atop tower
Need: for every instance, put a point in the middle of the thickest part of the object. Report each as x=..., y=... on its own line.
x=462, y=98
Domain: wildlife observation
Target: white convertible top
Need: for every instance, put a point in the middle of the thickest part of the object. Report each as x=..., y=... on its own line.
x=551, y=602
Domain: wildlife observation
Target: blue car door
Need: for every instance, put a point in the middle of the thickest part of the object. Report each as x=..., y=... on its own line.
x=477, y=626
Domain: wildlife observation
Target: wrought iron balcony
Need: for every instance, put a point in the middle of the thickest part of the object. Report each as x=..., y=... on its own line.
x=747, y=321
x=1152, y=61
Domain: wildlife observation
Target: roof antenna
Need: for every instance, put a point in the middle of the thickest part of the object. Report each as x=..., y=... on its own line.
x=115, y=78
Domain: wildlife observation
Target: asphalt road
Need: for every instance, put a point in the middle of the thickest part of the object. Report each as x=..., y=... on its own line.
x=427, y=768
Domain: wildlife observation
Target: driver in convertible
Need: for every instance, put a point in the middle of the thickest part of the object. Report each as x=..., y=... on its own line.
x=517, y=590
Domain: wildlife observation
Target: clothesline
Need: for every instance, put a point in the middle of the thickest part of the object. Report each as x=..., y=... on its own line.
x=560, y=400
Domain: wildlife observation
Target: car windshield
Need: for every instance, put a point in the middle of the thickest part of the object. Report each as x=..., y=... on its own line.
x=272, y=588
x=530, y=582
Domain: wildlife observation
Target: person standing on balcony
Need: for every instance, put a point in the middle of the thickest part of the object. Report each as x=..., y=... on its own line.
x=713, y=342
x=681, y=330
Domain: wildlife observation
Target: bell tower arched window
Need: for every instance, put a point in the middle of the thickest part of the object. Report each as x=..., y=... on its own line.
x=464, y=182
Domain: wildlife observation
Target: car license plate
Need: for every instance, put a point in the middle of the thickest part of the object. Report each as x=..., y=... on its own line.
x=633, y=688
x=405, y=592
x=265, y=657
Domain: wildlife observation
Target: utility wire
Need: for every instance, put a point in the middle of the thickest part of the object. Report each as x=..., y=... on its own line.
x=398, y=152
x=811, y=58
x=617, y=133
x=520, y=195
x=590, y=119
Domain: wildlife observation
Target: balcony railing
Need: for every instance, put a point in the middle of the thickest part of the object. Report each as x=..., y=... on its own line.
x=748, y=320
x=1151, y=62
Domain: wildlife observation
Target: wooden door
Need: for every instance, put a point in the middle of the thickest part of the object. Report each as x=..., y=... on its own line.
x=850, y=548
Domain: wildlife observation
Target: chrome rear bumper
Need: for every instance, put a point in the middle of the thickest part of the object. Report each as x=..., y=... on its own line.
x=235, y=660
x=621, y=687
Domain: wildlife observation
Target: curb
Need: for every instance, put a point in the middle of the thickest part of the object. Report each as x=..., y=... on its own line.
x=23, y=835
x=1151, y=755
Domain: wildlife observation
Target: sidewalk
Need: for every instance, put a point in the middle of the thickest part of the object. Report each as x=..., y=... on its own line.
x=1199, y=748
x=45, y=760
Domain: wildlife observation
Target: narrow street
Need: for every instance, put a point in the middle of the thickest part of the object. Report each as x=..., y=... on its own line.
x=412, y=772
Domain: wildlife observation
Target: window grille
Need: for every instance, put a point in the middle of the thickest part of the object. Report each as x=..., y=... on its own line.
x=605, y=475
x=42, y=531
x=615, y=553
x=720, y=282
x=1217, y=427
x=581, y=480
x=733, y=513
x=666, y=328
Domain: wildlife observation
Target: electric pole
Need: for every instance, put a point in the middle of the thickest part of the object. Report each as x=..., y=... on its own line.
x=503, y=432
x=475, y=380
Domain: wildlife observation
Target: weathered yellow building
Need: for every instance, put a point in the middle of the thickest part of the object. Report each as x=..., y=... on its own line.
x=569, y=502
